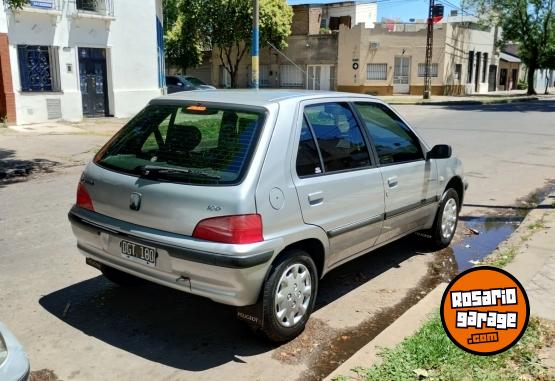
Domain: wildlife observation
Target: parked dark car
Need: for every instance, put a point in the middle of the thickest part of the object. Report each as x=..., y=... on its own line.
x=177, y=83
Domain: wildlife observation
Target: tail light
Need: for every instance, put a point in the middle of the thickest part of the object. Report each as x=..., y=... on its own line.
x=83, y=198
x=231, y=229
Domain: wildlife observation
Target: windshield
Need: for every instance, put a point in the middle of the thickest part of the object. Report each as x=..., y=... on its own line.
x=192, y=144
x=195, y=81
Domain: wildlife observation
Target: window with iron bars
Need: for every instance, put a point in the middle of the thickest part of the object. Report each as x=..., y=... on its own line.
x=38, y=68
x=422, y=70
x=376, y=72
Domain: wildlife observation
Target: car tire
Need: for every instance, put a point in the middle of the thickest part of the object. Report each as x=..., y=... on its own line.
x=447, y=217
x=120, y=278
x=294, y=280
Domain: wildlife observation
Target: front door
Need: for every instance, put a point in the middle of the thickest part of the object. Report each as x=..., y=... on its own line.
x=339, y=187
x=92, y=75
x=492, y=78
x=410, y=181
x=401, y=77
x=319, y=77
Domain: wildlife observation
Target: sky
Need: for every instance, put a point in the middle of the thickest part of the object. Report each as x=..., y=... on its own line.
x=403, y=9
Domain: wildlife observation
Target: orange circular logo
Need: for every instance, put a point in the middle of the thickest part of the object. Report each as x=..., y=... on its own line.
x=485, y=311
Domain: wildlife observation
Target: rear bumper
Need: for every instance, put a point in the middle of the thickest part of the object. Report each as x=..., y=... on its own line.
x=228, y=274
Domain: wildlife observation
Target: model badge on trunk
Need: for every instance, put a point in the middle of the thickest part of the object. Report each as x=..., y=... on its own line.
x=135, y=203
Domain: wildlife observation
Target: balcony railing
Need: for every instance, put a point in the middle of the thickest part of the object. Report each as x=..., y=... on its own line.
x=99, y=7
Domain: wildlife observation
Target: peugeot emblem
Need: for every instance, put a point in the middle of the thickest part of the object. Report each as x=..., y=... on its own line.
x=135, y=203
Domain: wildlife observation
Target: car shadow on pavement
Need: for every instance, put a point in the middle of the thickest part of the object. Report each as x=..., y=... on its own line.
x=14, y=170
x=530, y=106
x=191, y=333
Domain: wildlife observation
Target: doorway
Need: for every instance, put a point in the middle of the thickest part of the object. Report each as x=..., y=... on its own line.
x=492, y=78
x=401, y=76
x=93, y=80
x=320, y=77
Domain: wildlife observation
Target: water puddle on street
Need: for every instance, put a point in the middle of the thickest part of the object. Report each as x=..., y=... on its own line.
x=479, y=237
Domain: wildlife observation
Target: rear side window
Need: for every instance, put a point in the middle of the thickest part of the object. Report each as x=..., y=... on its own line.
x=339, y=137
x=308, y=159
x=394, y=141
x=186, y=144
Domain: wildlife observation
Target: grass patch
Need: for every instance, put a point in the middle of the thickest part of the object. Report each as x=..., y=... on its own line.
x=503, y=257
x=539, y=224
x=429, y=354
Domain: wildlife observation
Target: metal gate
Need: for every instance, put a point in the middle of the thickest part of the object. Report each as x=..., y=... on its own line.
x=401, y=75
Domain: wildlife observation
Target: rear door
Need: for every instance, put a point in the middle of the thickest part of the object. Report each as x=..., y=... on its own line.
x=339, y=186
x=410, y=181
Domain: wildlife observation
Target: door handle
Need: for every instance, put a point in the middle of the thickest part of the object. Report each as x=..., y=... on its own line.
x=392, y=182
x=316, y=198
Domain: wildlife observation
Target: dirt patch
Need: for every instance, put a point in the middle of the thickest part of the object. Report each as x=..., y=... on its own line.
x=43, y=375
x=310, y=341
x=334, y=350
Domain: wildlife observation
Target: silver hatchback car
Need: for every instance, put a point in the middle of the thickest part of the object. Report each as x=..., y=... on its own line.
x=250, y=197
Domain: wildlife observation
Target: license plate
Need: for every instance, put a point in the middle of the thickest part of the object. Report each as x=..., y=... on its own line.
x=138, y=253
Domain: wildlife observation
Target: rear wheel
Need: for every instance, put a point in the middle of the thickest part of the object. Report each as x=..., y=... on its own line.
x=289, y=295
x=120, y=278
x=447, y=218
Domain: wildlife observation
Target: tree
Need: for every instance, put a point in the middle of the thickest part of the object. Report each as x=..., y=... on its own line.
x=529, y=23
x=16, y=4
x=230, y=27
x=185, y=32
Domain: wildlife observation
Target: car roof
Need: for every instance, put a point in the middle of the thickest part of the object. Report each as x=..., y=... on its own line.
x=253, y=97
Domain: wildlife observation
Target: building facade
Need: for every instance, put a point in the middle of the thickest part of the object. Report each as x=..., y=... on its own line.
x=311, y=59
x=390, y=58
x=69, y=59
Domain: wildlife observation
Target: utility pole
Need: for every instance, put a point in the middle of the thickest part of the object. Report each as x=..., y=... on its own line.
x=429, y=52
x=255, y=44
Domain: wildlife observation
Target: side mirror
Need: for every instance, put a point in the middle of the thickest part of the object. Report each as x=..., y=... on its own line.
x=441, y=151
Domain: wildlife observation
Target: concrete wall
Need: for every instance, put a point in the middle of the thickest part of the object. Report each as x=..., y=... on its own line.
x=355, y=47
x=302, y=50
x=129, y=38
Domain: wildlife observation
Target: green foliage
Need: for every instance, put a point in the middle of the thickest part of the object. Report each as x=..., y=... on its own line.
x=185, y=33
x=430, y=354
x=195, y=26
x=522, y=85
x=15, y=4
x=529, y=23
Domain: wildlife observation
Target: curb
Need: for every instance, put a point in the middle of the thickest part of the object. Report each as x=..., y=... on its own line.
x=465, y=102
x=413, y=319
x=404, y=326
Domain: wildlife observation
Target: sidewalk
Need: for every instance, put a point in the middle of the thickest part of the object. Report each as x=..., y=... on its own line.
x=477, y=99
x=533, y=266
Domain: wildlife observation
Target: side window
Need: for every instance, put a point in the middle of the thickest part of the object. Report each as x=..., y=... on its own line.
x=308, y=159
x=339, y=137
x=394, y=141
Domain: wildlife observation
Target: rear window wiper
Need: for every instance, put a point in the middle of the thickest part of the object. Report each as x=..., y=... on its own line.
x=146, y=170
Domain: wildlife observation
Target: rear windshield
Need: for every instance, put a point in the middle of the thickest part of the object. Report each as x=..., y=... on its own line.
x=192, y=144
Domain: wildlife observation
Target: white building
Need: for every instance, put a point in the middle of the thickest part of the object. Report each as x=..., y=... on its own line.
x=69, y=59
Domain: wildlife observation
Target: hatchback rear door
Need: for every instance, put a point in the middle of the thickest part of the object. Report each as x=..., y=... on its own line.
x=175, y=165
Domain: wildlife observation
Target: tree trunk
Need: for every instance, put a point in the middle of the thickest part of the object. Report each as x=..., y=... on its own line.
x=233, y=77
x=531, y=72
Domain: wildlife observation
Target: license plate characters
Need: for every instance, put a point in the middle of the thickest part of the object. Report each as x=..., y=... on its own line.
x=138, y=253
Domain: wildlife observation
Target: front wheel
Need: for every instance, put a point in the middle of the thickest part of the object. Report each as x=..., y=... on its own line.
x=447, y=218
x=289, y=295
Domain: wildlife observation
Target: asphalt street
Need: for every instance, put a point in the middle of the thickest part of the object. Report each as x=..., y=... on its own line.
x=80, y=326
